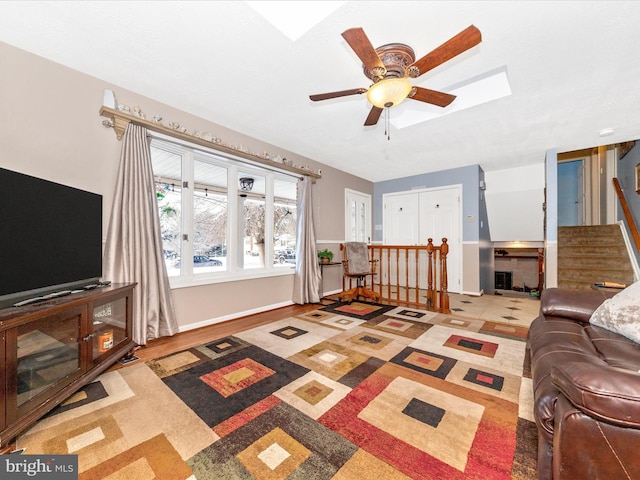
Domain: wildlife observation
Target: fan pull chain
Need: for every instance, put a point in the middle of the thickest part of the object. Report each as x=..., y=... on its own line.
x=387, y=129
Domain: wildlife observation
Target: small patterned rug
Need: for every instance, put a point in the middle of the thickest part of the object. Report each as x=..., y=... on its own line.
x=348, y=391
x=357, y=309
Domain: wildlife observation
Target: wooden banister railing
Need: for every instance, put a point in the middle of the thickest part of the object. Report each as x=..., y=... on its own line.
x=412, y=275
x=438, y=295
x=627, y=214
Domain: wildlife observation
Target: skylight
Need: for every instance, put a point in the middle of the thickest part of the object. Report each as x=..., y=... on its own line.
x=475, y=91
x=294, y=19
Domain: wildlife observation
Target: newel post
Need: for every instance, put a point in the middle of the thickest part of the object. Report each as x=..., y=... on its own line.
x=430, y=290
x=444, y=279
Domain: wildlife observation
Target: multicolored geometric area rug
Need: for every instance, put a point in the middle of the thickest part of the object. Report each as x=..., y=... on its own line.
x=348, y=391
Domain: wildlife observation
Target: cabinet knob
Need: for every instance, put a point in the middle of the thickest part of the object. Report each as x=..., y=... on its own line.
x=89, y=337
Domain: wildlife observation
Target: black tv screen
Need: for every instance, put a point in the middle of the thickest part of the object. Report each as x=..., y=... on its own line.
x=51, y=236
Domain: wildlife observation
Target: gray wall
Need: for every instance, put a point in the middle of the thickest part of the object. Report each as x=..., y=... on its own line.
x=51, y=129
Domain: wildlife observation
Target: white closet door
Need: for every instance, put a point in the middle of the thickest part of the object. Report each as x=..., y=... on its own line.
x=401, y=218
x=440, y=217
x=411, y=218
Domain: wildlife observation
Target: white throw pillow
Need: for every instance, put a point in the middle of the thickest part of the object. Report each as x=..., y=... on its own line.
x=621, y=313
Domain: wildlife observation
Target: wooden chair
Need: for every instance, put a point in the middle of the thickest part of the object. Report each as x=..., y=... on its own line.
x=355, y=259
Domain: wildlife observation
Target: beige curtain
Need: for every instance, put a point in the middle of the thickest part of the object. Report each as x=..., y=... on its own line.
x=133, y=251
x=306, y=284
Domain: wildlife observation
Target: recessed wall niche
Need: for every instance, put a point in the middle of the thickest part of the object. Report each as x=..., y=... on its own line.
x=518, y=269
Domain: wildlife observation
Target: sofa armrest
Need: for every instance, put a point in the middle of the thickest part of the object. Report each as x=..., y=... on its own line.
x=607, y=393
x=572, y=304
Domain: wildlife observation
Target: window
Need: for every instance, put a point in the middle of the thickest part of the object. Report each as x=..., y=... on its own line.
x=222, y=218
x=285, y=220
x=357, y=216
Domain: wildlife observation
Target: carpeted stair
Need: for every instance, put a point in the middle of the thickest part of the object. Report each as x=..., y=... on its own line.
x=590, y=254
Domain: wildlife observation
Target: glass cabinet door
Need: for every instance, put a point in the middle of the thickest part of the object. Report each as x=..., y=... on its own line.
x=48, y=352
x=109, y=327
x=3, y=381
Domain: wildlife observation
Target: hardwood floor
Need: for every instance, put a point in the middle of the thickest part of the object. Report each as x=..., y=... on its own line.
x=191, y=338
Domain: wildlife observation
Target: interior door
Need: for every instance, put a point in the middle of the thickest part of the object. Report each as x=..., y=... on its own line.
x=401, y=218
x=357, y=216
x=571, y=193
x=440, y=217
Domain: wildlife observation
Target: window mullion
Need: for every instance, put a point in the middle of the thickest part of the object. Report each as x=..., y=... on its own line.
x=187, y=217
x=235, y=251
x=269, y=221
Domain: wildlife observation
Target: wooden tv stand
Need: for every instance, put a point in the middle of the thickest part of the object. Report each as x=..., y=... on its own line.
x=50, y=350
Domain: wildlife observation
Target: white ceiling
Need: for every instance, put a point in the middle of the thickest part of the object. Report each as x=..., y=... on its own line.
x=573, y=69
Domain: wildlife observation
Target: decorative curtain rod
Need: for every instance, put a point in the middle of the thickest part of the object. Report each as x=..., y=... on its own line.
x=119, y=120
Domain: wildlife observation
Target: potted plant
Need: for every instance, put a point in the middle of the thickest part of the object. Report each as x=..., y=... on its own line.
x=325, y=256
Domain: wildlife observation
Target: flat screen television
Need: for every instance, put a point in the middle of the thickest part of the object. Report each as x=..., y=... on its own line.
x=50, y=237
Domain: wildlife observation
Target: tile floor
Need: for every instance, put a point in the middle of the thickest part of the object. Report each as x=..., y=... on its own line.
x=516, y=310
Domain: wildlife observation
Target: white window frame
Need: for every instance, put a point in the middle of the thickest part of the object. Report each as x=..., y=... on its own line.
x=233, y=272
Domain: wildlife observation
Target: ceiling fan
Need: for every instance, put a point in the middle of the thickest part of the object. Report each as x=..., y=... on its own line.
x=390, y=67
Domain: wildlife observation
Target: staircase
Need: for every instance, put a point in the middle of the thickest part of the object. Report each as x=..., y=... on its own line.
x=591, y=254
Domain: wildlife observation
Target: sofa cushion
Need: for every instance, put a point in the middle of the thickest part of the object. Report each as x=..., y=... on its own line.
x=607, y=393
x=614, y=349
x=554, y=340
x=572, y=304
x=620, y=313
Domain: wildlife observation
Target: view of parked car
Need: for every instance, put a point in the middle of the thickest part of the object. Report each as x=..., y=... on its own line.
x=287, y=255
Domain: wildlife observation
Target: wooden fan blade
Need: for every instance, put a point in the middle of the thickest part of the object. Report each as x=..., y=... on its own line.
x=434, y=97
x=469, y=37
x=341, y=93
x=360, y=44
x=373, y=117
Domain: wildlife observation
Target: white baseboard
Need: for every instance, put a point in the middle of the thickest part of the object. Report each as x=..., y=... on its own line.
x=474, y=294
x=332, y=292
x=232, y=316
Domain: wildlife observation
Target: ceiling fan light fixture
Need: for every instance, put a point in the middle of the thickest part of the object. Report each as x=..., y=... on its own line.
x=389, y=92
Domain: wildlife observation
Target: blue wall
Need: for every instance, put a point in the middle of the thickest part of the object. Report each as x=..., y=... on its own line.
x=485, y=248
x=626, y=173
x=627, y=178
x=473, y=205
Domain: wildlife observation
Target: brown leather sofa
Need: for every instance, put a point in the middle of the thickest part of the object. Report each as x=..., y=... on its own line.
x=586, y=386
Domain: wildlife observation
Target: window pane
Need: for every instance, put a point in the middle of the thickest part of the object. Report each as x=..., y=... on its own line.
x=284, y=222
x=252, y=193
x=354, y=221
x=167, y=171
x=362, y=222
x=254, y=213
x=209, y=217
